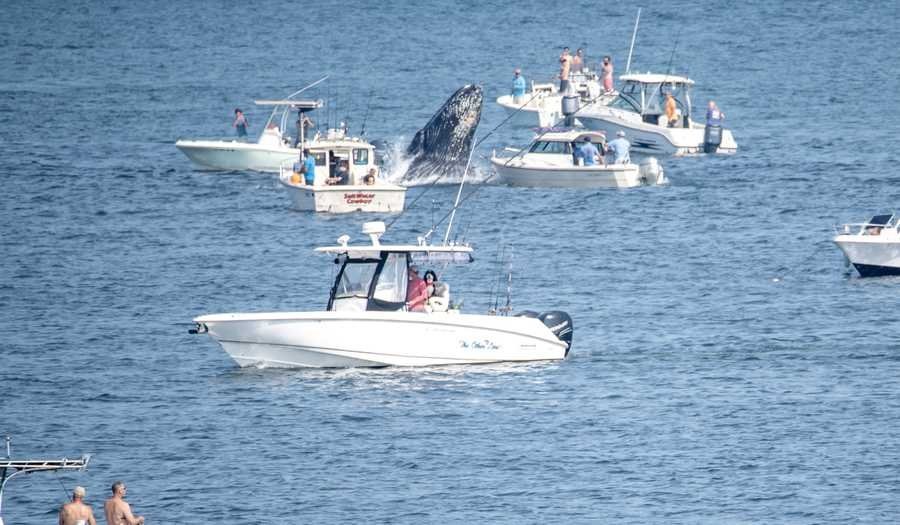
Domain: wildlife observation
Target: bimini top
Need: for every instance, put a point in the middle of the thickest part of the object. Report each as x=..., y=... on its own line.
x=656, y=78
x=422, y=252
x=297, y=104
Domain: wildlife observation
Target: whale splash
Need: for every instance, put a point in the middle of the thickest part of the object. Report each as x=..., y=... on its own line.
x=440, y=150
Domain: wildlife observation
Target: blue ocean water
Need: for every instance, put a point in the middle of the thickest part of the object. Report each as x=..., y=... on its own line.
x=727, y=367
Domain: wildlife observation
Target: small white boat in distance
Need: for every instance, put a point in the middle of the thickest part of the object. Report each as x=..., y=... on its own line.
x=549, y=162
x=542, y=104
x=639, y=111
x=367, y=322
x=266, y=154
x=361, y=189
x=872, y=247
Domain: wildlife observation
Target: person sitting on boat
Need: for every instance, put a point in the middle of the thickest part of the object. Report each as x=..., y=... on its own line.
x=369, y=179
x=620, y=148
x=309, y=172
x=587, y=153
x=714, y=116
x=76, y=512
x=240, y=123
x=416, y=291
x=671, y=111
x=438, y=293
x=342, y=175
x=518, y=87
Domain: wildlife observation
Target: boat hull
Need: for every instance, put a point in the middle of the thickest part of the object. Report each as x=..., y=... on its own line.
x=651, y=138
x=871, y=255
x=236, y=156
x=378, y=198
x=374, y=339
x=513, y=173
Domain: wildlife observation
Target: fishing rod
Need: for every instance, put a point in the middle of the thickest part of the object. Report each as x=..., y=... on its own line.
x=362, y=132
x=633, y=36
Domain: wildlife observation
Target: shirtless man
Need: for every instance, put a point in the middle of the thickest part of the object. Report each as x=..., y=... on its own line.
x=118, y=511
x=76, y=512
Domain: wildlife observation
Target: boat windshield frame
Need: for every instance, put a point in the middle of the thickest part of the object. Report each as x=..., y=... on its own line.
x=648, y=98
x=386, y=277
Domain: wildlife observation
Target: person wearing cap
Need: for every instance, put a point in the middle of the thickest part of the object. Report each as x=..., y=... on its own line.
x=240, y=123
x=587, y=152
x=416, y=291
x=620, y=147
x=117, y=510
x=76, y=512
x=309, y=166
x=518, y=86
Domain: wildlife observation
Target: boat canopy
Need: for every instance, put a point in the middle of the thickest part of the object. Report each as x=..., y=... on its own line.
x=881, y=220
x=374, y=277
x=645, y=93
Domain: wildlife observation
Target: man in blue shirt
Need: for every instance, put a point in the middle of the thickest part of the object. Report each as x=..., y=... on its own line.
x=310, y=165
x=587, y=152
x=620, y=148
x=518, y=87
x=714, y=117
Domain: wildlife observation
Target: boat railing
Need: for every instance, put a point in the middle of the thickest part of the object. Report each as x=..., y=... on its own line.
x=866, y=228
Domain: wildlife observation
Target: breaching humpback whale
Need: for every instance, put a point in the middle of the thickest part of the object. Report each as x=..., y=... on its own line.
x=441, y=149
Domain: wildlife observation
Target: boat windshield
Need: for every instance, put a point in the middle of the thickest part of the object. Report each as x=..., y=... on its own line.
x=549, y=146
x=351, y=290
x=626, y=103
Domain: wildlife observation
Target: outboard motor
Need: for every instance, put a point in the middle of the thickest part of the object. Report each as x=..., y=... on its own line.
x=560, y=324
x=651, y=172
x=570, y=104
x=712, y=137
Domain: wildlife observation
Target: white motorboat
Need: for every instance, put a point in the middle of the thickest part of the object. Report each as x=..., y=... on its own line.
x=361, y=189
x=367, y=322
x=549, y=162
x=639, y=112
x=267, y=154
x=541, y=106
x=872, y=247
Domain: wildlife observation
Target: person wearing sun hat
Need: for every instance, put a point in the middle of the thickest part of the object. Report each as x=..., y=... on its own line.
x=620, y=147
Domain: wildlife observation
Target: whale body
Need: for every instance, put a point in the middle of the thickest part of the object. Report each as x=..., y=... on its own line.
x=440, y=150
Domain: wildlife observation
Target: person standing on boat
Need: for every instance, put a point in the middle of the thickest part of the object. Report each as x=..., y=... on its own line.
x=578, y=61
x=714, y=116
x=607, y=71
x=565, y=64
x=117, y=510
x=620, y=148
x=76, y=512
x=588, y=153
x=240, y=123
x=518, y=86
x=416, y=291
x=671, y=110
x=309, y=165
x=712, y=135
